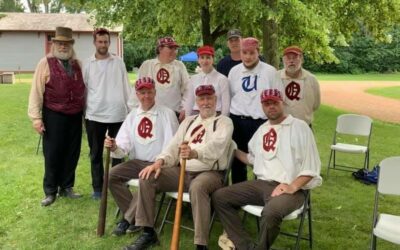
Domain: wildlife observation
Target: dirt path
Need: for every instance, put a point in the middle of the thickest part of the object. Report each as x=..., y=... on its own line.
x=351, y=96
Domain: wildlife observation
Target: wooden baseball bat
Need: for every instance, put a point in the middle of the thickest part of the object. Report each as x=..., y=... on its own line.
x=178, y=210
x=103, y=204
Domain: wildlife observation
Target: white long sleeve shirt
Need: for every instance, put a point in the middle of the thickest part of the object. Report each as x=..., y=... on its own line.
x=108, y=89
x=144, y=134
x=221, y=86
x=246, y=87
x=171, y=81
x=211, y=146
x=284, y=152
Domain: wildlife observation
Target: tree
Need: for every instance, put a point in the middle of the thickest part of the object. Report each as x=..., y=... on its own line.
x=315, y=25
x=56, y=6
x=11, y=6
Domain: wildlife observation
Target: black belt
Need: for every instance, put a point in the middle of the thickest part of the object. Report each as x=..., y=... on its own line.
x=243, y=117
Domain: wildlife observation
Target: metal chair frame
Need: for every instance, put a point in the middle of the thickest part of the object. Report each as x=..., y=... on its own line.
x=354, y=125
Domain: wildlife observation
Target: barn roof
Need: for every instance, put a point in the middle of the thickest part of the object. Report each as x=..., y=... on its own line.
x=48, y=22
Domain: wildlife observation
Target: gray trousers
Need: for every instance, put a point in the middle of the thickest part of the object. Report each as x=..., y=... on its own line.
x=118, y=176
x=227, y=202
x=200, y=186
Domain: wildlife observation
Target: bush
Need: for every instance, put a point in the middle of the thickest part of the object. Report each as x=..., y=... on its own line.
x=363, y=55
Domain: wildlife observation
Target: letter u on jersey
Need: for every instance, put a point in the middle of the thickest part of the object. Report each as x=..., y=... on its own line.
x=249, y=83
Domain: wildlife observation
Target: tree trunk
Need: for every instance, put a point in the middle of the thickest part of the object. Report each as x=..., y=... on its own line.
x=32, y=7
x=205, y=25
x=270, y=37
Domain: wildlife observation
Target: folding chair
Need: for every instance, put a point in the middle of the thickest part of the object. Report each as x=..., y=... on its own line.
x=135, y=183
x=186, y=198
x=354, y=126
x=386, y=226
x=301, y=213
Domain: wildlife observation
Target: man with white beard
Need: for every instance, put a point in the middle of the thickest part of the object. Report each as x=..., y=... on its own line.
x=56, y=103
x=300, y=88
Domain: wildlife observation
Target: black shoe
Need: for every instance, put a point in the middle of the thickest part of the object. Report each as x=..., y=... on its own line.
x=201, y=247
x=121, y=228
x=144, y=241
x=69, y=193
x=48, y=200
x=96, y=195
x=133, y=229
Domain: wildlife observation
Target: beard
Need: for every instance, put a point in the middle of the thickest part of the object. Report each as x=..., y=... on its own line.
x=292, y=69
x=206, y=112
x=102, y=51
x=63, y=55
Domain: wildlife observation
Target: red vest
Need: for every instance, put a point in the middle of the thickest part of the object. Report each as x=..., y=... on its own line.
x=64, y=93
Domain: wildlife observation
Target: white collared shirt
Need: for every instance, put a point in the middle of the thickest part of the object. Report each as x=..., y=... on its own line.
x=246, y=87
x=108, y=89
x=171, y=81
x=221, y=86
x=143, y=134
x=284, y=152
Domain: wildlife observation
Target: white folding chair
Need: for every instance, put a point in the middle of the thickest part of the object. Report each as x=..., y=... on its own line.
x=386, y=226
x=301, y=213
x=357, y=126
x=186, y=198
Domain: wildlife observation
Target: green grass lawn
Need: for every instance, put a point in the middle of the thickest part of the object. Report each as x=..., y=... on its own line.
x=342, y=207
x=390, y=92
x=360, y=77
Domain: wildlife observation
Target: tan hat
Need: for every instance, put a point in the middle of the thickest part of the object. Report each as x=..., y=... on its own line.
x=63, y=34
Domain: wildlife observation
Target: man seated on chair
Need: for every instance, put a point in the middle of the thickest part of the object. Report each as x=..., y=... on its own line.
x=203, y=140
x=286, y=161
x=145, y=132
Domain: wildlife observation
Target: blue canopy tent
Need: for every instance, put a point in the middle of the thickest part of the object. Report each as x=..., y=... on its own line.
x=189, y=57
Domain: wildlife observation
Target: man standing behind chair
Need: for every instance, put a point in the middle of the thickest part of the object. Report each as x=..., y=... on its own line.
x=228, y=62
x=108, y=93
x=246, y=82
x=56, y=102
x=204, y=141
x=145, y=132
x=170, y=75
x=301, y=89
x=286, y=161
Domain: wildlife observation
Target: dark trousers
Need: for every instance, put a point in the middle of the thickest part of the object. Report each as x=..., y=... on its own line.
x=61, y=149
x=243, y=130
x=96, y=133
x=227, y=202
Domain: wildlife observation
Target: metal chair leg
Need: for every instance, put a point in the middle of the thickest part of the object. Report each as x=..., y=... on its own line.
x=329, y=164
x=165, y=216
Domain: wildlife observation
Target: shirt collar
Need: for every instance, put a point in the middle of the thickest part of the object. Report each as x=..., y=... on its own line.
x=206, y=74
x=152, y=111
x=302, y=76
x=110, y=57
x=255, y=69
x=288, y=120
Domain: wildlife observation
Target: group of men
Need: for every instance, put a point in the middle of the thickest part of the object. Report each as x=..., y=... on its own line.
x=270, y=115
